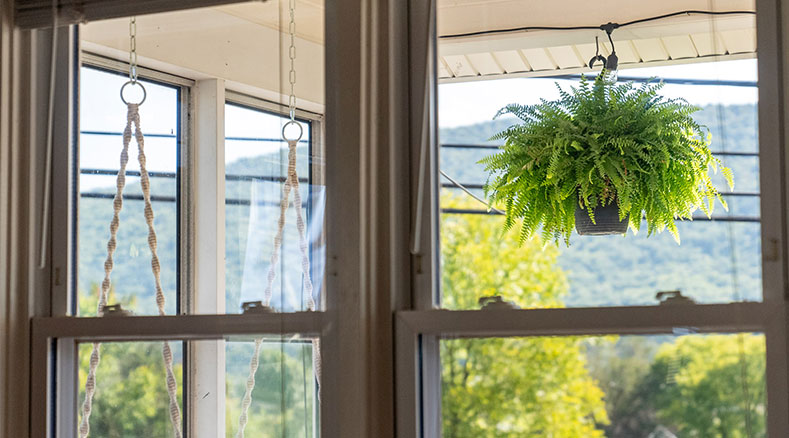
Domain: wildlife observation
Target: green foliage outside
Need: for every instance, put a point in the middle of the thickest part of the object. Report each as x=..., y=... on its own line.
x=601, y=143
x=131, y=397
x=694, y=386
x=617, y=388
x=122, y=411
x=524, y=387
x=712, y=386
x=283, y=402
x=562, y=387
x=625, y=387
x=636, y=267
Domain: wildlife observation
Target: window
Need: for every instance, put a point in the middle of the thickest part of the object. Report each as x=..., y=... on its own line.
x=402, y=334
x=607, y=336
x=689, y=384
x=719, y=258
x=102, y=119
x=213, y=127
x=256, y=164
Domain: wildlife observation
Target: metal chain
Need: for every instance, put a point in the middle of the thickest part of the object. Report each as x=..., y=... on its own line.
x=291, y=184
x=292, y=55
x=133, y=50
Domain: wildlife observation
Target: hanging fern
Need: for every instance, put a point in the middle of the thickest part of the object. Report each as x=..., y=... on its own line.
x=597, y=144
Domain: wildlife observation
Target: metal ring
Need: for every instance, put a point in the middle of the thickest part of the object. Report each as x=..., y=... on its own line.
x=292, y=122
x=144, y=92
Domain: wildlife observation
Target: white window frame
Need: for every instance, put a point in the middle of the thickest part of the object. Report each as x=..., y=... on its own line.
x=206, y=407
x=367, y=271
x=186, y=150
x=54, y=339
x=418, y=331
x=63, y=297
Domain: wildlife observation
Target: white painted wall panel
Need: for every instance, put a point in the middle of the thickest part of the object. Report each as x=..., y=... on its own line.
x=626, y=52
x=650, y=49
x=207, y=43
x=459, y=65
x=442, y=70
x=539, y=59
x=485, y=63
x=511, y=61
x=566, y=57
x=739, y=41
x=708, y=44
x=679, y=47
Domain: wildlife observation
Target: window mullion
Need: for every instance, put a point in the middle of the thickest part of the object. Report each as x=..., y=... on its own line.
x=424, y=156
x=718, y=318
x=181, y=327
x=206, y=377
x=63, y=198
x=55, y=356
x=771, y=24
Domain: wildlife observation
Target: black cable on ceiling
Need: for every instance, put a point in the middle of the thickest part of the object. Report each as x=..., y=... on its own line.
x=607, y=27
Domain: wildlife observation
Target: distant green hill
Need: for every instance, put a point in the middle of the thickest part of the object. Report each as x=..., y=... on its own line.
x=713, y=257
x=131, y=276
x=734, y=124
x=717, y=261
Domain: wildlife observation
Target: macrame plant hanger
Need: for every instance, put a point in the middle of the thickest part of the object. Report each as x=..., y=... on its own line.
x=132, y=118
x=291, y=184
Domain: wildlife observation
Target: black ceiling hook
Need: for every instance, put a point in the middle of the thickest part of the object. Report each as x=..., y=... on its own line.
x=597, y=56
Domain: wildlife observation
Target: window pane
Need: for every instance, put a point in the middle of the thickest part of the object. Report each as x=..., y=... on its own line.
x=102, y=120
x=283, y=402
x=604, y=271
x=256, y=165
x=718, y=258
x=242, y=51
x=131, y=398
x=613, y=387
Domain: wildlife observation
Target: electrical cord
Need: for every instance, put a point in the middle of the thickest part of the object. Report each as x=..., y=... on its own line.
x=608, y=27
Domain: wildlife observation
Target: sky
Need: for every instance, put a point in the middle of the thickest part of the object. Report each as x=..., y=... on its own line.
x=460, y=104
x=101, y=109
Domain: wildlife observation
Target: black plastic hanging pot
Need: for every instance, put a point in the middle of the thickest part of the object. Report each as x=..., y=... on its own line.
x=606, y=221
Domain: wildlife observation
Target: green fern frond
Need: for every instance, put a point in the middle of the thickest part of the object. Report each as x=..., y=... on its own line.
x=598, y=142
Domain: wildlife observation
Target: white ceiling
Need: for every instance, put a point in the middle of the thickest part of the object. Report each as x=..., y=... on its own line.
x=246, y=43
x=680, y=39
x=275, y=15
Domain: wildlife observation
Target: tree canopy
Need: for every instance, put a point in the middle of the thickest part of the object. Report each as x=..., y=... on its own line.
x=510, y=387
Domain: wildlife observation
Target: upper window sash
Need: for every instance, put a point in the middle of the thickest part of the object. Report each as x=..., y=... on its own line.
x=176, y=150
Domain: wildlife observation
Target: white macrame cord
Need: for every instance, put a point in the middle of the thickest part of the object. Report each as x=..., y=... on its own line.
x=133, y=118
x=291, y=185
